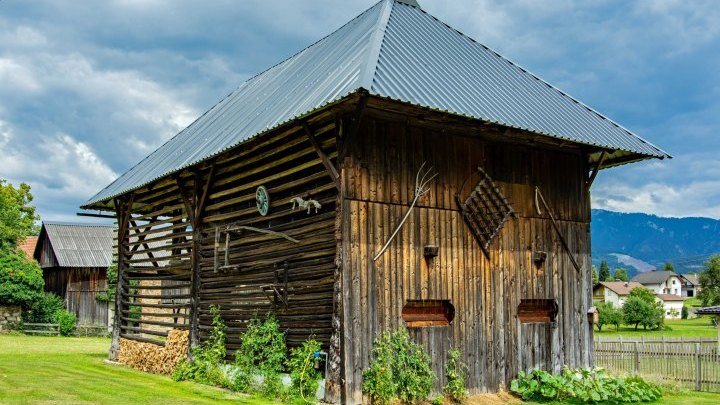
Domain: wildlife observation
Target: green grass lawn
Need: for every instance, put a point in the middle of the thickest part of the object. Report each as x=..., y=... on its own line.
x=689, y=328
x=58, y=370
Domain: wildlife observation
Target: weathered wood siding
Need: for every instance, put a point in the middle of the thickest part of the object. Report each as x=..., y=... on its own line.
x=378, y=181
x=288, y=166
x=168, y=248
x=79, y=287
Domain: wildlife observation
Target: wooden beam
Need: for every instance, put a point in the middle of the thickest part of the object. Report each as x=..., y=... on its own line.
x=355, y=126
x=123, y=210
x=202, y=203
x=187, y=199
x=596, y=170
x=332, y=171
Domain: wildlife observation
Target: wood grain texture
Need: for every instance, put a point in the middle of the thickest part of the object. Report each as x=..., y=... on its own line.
x=485, y=293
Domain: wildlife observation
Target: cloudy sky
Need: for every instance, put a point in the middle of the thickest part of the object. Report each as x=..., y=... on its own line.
x=88, y=88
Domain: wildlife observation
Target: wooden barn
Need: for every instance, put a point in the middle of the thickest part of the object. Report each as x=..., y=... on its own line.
x=74, y=259
x=394, y=173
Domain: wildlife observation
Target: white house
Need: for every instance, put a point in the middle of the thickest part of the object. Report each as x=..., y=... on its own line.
x=662, y=282
x=672, y=305
x=614, y=292
x=692, y=285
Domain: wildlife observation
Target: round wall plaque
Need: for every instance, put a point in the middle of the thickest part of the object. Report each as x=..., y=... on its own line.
x=262, y=200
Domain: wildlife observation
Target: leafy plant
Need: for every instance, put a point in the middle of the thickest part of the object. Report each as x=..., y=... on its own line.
x=400, y=368
x=303, y=375
x=378, y=381
x=67, y=321
x=710, y=282
x=112, y=277
x=583, y=386
x=44, y=309
x=17, y=216
x=262, y=352
x=21, y=280
x=456, y=376
x=204, y=367
x=608, y=315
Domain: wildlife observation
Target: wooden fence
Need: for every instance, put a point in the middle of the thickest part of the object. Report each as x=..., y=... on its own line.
x=691, y=363
x=54, y=329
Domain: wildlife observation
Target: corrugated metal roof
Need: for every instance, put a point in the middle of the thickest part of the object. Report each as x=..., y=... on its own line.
x=393, y=50
x=80, y=245
x=91, y=245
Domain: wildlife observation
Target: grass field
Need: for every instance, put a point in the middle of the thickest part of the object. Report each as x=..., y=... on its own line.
x=57, y=370
x=688, y=328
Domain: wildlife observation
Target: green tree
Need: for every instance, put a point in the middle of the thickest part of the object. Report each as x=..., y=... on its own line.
x=17, y=216
x=669, y=267
x=644, y=294
x=710, y=282
x=604, y=274
x=650, y=315
x=608, y=315
x=620, y=274
x=21, y=280
x=595, y=276
x=636, y=311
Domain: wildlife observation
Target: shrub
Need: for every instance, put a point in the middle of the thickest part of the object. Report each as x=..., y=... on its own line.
x=66, y=322
x=400, y=368
x=112, y=278
x=378, y=381
x=21, y=280
x=685, y=312
x=608, y=315
x=303, y=375
x=262, y=351
x=583, y=386
x=204, y=367
x=456, y=376
x=44, y=309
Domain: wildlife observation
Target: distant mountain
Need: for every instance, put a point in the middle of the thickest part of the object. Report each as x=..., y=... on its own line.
x=642, y=242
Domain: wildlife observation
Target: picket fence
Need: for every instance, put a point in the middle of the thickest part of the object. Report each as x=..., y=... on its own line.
x=693, y=363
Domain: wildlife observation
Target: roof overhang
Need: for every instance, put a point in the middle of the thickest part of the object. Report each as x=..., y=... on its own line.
x=445, y=121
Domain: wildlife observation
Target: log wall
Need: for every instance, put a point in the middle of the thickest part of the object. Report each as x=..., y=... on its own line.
x=378, y=180
x=168, y=248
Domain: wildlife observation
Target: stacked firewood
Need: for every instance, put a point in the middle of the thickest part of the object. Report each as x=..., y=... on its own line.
x=152, y=358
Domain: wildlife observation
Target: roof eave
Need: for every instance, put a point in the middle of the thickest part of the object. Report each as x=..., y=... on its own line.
x=107, y=204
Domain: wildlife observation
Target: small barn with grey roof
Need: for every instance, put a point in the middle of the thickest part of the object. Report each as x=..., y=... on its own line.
x=395, y=173
x=74, y=259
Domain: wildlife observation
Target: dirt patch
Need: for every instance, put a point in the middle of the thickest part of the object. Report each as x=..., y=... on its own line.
x=496, y=398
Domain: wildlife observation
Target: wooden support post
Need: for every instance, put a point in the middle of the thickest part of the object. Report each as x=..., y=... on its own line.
x=636, y=358
x=194, y=202
x=355, y=127
x=332, y=171
x=698, y=368
x=598, y=166
x=123, y=209
x=334, y=380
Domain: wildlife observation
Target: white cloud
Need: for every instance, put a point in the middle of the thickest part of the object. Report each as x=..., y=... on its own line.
x=696, y=198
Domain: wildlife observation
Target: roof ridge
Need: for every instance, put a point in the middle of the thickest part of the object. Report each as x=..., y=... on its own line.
x=89, y=225
x=378, y=38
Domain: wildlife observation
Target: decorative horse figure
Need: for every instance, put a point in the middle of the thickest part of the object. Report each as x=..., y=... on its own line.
x=305, y=204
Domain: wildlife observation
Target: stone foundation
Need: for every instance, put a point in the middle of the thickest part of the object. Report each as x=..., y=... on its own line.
x=152, y=358
x=9, y=317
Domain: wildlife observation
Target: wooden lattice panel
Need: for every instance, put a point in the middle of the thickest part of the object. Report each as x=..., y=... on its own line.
x=485, y=211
